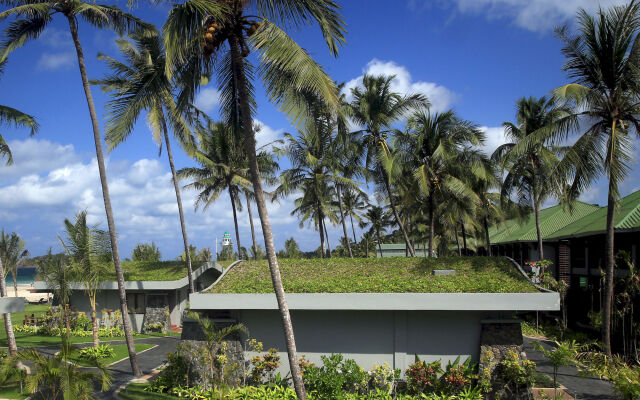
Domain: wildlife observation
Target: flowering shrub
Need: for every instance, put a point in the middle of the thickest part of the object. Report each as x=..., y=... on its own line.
x=382, y=378
x=263, y=366
x=45, y=330
x=457, y=377
x=422, y=377
x=155, y=327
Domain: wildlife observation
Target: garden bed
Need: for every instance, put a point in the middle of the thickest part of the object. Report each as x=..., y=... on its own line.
x=121, y=352
x=153, y=270
x=379, y=275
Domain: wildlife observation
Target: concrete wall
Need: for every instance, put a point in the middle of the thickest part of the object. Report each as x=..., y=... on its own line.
x=371, y=337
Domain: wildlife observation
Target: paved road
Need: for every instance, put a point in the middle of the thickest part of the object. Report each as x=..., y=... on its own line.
x=582, y=388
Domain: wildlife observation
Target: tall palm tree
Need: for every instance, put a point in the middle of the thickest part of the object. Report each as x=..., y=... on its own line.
x=12, y=117
x=603, y=59
x=222, y=167
x=376, y=107
x=33, y=16
x=12, y=254
x=439, y=148
x=89, y=252
x=355, y=203
x=141, y=84
x=231, y=29
x=529, y=173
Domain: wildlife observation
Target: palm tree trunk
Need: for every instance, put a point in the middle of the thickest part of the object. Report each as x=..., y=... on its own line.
x=253, y=232
x=464, y=238
x=94, y=320
x=457, y=241
x=485, y=223
x=432, y=225
x=326, y=233
x=353, y=229
x=107, y=199
x=609, y=265
x=235, y=220
x=395, y=213
x=344, y=223
x=250, y=150
x=379, y=243
x=366, y=249
x=536, y=211
x=183, y=226
x=321, y=229
x=14, y=275
x=11, y=338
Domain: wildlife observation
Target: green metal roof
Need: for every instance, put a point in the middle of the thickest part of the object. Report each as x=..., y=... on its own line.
x=552, y=220
x=627, y=216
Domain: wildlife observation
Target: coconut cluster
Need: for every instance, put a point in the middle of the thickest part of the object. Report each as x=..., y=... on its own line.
x=215, y=34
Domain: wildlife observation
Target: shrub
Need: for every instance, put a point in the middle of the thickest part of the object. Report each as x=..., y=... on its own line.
x=422, y=377
x=155, y=327
x=457, y=377
x=263, y=366
x=382, y=378
x=518, y=373
x=336, y=377
x=97, y=353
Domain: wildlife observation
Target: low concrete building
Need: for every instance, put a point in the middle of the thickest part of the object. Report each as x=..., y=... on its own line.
x=152, y=296
x=379, y=310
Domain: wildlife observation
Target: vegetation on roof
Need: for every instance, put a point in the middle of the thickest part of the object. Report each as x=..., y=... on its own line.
x=376, y=275
x=153, y=270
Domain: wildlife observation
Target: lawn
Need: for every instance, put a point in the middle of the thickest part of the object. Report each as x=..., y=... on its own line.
x=120, y=352
x=135, y=391
x=12, y=391
x=31, y=340
x=379, y=275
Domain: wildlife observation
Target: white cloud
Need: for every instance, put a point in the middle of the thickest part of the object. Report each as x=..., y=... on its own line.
x=266, y=134
x=45, y=190
x=207, y=99
x=440, y=97
x=56, y=60
x=32, y=156
x=534, y=15
x=494, y=137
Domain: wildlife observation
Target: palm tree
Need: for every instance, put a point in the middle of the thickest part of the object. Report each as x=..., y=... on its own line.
x=222, y=167
x=12, y=117
x=529, y=173
x=89, y=252
x=376, y=107
x=12, y=254
x=438, y=146
x=603, y=59
x=11, y=338
x=355, y=203
x=141, y=84
x=58, y=277
x=33, y=18
x=231, y=29
x=378, y=220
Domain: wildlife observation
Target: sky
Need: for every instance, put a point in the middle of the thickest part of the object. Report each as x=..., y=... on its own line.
x=474, y=56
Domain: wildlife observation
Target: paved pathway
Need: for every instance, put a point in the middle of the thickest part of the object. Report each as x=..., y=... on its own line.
x=121, y=371
x=582, y=388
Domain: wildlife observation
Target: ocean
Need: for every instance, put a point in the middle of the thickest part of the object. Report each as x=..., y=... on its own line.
x=26, y=276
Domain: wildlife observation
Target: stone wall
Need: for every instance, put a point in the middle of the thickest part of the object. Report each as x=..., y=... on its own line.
x=497, y=339
x=193, y=339
x=155, y=315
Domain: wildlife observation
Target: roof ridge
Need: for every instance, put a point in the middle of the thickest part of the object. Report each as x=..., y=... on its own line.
x=633, y=211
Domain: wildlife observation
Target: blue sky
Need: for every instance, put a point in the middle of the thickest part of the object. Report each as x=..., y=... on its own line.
x=476, y=56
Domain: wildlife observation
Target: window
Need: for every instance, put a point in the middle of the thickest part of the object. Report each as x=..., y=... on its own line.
x=136, y=303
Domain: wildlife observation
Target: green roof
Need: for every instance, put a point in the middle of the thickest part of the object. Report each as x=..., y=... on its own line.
x=153, y=270
x=552, y=220
x=379, y=275
x=627, y=216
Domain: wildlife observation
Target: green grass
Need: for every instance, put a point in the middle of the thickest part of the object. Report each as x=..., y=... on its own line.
x=120, y=352
x=135, y=391
x=31, y=340
x=12, y=391
x=226, y=263
x=154, y=271
x=379, y=275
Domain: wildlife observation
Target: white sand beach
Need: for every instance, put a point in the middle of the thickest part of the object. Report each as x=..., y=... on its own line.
x=26, y=291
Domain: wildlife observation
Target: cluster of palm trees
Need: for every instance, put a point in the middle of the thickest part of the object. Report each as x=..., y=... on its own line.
x=431, y=173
